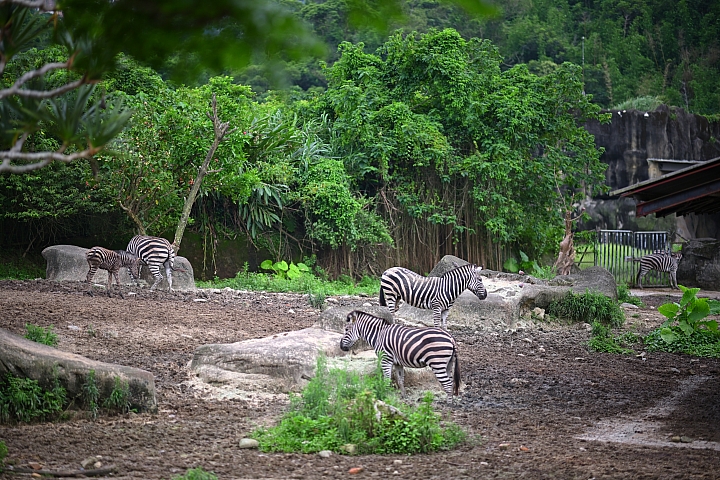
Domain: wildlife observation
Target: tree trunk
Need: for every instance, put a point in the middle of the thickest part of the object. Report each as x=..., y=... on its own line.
x=221, y=130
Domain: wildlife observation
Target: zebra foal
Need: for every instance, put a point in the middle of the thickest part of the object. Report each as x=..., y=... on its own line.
x=112, y=261
x=155, y=252
x=662, y=262
x=432, y=293
x=403, y=346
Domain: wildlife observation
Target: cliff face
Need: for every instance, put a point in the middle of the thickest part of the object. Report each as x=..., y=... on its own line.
x=629, y=140
x=633, y=136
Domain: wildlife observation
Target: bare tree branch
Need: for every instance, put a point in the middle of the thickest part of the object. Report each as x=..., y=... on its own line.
x=40, y=159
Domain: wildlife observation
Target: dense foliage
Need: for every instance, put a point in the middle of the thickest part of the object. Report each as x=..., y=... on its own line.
x=655, y=50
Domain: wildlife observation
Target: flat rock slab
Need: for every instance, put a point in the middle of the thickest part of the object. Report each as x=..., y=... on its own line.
x=27, y=359
x=68, y=263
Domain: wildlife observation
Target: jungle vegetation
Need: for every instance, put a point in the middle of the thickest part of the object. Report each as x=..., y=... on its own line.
x=399, y=147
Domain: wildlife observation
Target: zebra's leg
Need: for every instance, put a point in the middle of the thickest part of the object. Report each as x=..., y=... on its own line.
x=443, y=317
x=168, y=275
x=387, y=367
x=400, y=378
x=89, y=277
x=117, y=281
x=155, y=271
x=673, y=280
x=639, y=278
x=438, y=317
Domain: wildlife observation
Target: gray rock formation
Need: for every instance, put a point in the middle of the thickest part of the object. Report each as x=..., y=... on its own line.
x=67, y=263
x=27, y=359
x=700, y=264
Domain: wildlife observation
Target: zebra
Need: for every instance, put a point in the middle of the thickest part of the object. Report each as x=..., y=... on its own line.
x=401, y=346
x=112, y=261
x=660, y=261
x=436, y=293
x=154, y=252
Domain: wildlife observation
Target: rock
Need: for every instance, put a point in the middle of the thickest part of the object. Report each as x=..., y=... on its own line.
x=67, y=263
x=248, y=443
x=350, y=448
x=278, y=364
x=325, y=453
x=28, y=359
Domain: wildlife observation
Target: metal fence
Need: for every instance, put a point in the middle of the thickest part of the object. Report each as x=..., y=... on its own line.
x=616, y=249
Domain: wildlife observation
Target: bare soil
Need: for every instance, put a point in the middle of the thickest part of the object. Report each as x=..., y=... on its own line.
x=537, y=403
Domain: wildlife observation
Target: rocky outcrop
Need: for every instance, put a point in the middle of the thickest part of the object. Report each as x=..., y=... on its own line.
x=700, y=264
x=68, y=263
x=27, y=359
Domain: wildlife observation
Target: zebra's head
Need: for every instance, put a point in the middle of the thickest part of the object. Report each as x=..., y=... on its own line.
x=134, y=268
x=476, y=284
x=351, y=332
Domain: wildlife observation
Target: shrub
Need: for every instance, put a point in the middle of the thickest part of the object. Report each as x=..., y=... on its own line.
x=338, y=407
x=588, y=307
x=23, y=400
x=687, y=329
x=602, y=340
x=46, y=336
x=623, y=293
x=119, y=399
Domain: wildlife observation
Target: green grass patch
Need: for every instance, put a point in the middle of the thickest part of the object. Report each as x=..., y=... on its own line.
x=588, y=307
x=17, y=266
x=44, y=335
x=305, y=283
x=624, y=295
x=196, y=474
x=338, y=408
x=602, y=340
x=23, y=400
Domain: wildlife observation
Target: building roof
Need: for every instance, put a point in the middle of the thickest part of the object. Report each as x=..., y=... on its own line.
x=695, y=189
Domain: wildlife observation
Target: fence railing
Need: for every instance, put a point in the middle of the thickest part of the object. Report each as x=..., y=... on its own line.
x=616, y=249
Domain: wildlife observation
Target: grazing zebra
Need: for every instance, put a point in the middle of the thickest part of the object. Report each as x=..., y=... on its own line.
x=660, y=261
x=436, y=293
x=112, y=261
x=403, y=346
x=154, y=252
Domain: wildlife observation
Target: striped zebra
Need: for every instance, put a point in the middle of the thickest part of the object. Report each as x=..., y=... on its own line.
x=435, y=293
x=154, y=252
x=660, y=261
x=112, y=261
x=403, y=346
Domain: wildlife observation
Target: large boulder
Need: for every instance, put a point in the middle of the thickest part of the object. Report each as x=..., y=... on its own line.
x=68, y=263
x=700, y=264
x=27, y=359
x=510, y=297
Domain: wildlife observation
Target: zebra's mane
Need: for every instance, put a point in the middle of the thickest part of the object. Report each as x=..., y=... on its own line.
x=458, y=268
x=385, y=320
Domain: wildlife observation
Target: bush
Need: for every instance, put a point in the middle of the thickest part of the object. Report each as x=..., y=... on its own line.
x=589, y=307
x=196, y=474
x=623, y=293
x=602, y=340
x=46, y=336
x=338, y=407
x=23, y=400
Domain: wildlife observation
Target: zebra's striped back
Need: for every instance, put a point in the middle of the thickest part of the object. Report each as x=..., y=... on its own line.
x=404, y=346
x=435, y=293
x=154, y=252
x=112, y=261
x=661, y=262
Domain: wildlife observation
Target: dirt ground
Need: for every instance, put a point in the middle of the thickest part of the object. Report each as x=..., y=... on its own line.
x=537, y=402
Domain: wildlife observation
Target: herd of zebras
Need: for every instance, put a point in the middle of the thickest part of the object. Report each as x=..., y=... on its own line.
x=155, y=252
x=400, y=346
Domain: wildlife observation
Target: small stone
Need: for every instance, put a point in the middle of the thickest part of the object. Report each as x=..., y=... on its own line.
x=504, y=446
x=199, y=300
x=248, y=443
x=685, y=439
x=35, y=466
x=674, y=370
x=349, y=448
x=675, y=438
x=332, y=300
x=88, y=461
x=325, y=453
x=355, y=470
x=97, y=464
x=523, y=448
x=397, y=462
x=484, y=463
x=73, y=327
x=291, y=311
x=367, y=304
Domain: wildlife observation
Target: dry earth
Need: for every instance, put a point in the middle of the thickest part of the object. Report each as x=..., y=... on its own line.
x=540, y=403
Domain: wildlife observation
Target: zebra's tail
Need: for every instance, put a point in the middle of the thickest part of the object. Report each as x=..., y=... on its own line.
x=456, y=376
x=383, y=303
x=628, y=259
